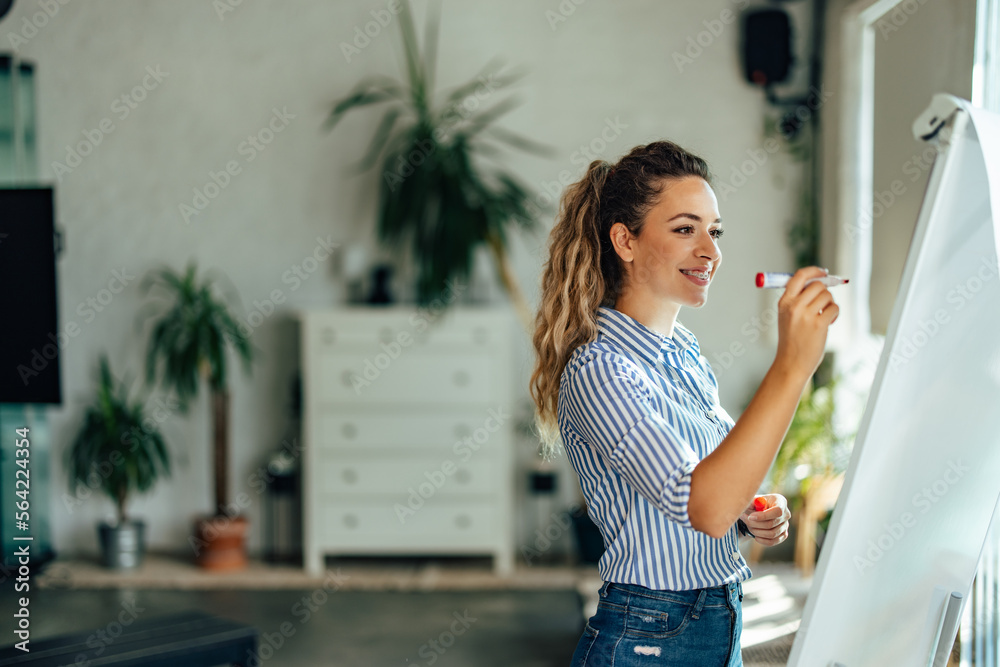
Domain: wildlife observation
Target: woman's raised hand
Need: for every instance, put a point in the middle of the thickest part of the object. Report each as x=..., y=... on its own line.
x=805, y=313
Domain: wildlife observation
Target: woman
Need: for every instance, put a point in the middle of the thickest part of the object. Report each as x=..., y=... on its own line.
x=666, y=473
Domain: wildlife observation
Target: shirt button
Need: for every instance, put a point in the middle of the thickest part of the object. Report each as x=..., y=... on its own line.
x=710, y=414
x=736, y=555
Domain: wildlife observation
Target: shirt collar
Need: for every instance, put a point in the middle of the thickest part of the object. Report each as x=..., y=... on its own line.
x=680, y=350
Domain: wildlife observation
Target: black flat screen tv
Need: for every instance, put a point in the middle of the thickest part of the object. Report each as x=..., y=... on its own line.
x=31, y=342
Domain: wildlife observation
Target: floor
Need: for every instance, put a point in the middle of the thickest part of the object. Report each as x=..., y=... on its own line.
x=381, y=614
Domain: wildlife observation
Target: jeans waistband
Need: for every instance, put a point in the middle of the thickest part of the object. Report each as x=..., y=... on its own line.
x=723, y=590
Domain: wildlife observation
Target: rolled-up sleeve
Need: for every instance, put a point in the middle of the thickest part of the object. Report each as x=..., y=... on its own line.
x=609, y=403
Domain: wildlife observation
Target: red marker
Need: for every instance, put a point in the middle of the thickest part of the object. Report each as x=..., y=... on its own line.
x=767, y=280
x=760, y=504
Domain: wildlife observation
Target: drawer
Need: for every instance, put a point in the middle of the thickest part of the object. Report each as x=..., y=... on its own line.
x=370, y=330
x=444, y=432
x=401, y=477
x=435, y=525
x=412, y=377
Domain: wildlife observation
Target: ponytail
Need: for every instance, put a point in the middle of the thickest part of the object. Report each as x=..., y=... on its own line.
x=572, y=289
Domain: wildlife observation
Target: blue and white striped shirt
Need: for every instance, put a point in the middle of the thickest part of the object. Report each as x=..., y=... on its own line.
x=637, y=411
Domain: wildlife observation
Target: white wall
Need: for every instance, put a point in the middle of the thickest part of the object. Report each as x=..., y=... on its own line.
x=938, y=42
x=920, y=49
x=119, y=208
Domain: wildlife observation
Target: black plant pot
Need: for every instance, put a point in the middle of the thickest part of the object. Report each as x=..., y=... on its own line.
x=122, y=545
x=588, y=539
x=380, y=294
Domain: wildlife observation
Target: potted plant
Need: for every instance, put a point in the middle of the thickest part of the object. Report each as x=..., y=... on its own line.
x=434, y=193
x=118, y=452
x=188, y=345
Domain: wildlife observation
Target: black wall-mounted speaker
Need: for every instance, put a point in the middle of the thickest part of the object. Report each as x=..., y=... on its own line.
x=767, y=46
x=30, y=340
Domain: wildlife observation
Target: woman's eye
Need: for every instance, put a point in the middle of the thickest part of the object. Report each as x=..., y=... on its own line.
x=717, y=233
x=683, y=230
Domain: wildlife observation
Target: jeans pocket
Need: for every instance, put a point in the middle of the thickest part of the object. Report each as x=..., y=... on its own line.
x=668, y=620
x=583, y=647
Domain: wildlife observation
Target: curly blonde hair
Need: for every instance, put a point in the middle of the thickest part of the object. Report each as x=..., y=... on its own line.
x=583, y=270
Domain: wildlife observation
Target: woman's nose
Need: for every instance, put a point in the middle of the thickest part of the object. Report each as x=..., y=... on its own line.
x=708, y=248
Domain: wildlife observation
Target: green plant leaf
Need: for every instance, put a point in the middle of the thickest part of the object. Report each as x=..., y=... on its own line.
x=431, y=33
x=411, y=51
x=365, y=94
x=519, y=142
x=491, y=77
x=480, y=121
x=380, y=139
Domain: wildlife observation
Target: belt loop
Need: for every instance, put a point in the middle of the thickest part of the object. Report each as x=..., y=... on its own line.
x=604, y=589
x=700, y=604
x=739, y=584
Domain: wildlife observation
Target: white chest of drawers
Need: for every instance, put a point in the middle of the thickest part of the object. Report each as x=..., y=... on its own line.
x=407, y=433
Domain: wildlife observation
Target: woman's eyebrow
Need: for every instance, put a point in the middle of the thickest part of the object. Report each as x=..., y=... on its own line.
x=692, y=216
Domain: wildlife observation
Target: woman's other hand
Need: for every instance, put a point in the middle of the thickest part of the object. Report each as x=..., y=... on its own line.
x=769, y=527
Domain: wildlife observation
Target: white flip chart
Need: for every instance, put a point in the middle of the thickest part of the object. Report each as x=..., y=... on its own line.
x=924, y=476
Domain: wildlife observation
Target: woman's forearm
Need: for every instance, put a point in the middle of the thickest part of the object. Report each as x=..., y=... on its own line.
x=724, y=482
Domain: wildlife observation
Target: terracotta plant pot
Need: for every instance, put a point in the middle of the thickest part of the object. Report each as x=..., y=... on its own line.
x=221, y=542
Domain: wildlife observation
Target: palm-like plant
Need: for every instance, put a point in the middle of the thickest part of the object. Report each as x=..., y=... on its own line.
x=115, y=447
x=433, y=193
x=811, y=440
x=187, y=345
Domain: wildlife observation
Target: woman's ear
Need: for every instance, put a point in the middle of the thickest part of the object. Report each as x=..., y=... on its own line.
x=621, y=241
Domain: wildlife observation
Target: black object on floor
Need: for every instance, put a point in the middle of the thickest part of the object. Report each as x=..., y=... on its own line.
x=193, y=639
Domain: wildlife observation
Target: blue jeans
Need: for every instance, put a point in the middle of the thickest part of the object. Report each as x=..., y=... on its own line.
x=638, y=626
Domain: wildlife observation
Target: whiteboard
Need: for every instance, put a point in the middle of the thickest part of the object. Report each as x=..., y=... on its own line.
x=924, y=477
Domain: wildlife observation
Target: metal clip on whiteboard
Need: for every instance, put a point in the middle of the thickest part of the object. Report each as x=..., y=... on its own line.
x=947, y=631
x=942, y=107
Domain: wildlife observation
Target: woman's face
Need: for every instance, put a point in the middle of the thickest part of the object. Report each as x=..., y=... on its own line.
x=676, y=254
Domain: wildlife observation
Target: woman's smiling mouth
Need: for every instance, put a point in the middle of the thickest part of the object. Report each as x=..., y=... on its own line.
x=698, y=276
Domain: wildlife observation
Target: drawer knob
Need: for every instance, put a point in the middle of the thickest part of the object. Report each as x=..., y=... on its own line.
x=349, y=430
x=351, y=521
x=461, y=378
x=349, y=475
x=463, y=521
x=463, y=476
